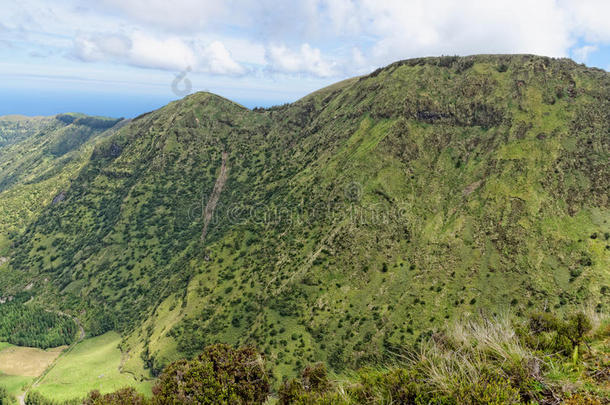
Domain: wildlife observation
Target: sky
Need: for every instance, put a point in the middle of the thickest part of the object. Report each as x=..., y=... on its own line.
x=126, y=57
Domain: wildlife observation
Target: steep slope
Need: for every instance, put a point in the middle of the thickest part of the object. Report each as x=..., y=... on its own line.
x=333, y=228
x=15, y=128
x=38, y=157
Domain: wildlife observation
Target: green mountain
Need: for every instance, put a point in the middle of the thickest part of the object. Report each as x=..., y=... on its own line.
x=39, y=156
x=358, y=218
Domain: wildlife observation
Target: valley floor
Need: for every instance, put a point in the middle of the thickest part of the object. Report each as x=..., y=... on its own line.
x=91, y=364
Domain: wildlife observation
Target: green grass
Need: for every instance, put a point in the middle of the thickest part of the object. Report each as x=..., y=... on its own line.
x=14, y=384
x=482, y=361
x=91, y=364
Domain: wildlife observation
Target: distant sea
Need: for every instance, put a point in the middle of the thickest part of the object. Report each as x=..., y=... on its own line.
x=50, y=102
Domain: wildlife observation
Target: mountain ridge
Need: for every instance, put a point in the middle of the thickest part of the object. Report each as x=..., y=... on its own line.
x=426, y=190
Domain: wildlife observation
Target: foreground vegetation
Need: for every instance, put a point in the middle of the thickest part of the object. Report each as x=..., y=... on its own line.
x=542, y=360
x=489, y=361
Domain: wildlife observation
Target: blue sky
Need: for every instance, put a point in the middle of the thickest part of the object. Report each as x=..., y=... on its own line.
x=120, y=57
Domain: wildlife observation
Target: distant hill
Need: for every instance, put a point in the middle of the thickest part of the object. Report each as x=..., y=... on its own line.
x=38, y=158
x=358, y=218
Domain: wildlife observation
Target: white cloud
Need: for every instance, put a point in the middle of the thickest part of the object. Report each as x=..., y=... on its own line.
x=136, y=49
x=245, y=50
x=176, y=15
x=321, y=38
x=358, y=57
x=306, y=60
x=171, y=53
x=100, y=47
x=218, y=60
x=420, y=28
x=582, y=54
x=589, y=18
x=143, y=50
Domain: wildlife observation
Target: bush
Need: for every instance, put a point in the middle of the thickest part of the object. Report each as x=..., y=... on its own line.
x=491, y=390
x=125, y=396
x=471, y=362
x=548, y=332
x=5, y=398
x=582, y=399
x=315, y=378
x=34, y=398
x=291, y=392
x=220, y=375
x=399, y=385
x=310, y=388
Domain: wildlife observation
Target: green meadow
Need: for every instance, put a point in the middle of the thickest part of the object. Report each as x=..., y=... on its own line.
x=92, y=364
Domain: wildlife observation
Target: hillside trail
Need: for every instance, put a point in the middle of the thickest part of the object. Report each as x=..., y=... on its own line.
x=38, y=380
x=307, y=265
x=208, y=212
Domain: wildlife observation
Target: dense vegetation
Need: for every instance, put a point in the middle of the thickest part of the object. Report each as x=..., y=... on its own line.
x=357, y=219
x=32, y=326
x=543, y=359
x=15, y=128
x=33, y=175
x=488, y=361
x=38, y=158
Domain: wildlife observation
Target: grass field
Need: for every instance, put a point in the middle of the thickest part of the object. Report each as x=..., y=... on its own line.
x=14, y=384
x=20, y=365
x=92, y=364
x=26, y=361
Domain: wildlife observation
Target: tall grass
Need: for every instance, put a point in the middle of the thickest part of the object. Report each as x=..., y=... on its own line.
x=472, y=353
x=487, y=360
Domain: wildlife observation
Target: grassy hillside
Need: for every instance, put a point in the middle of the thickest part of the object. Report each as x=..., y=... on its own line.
x=19, y=366
x=15, y=128
x=91, y=364
x=358, y=218
x=38, y=158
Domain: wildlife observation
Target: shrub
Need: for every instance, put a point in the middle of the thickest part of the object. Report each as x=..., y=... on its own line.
x=310, y=388
x=5, y=398
x=124, y=396
x=491, y=390
x=548, y=332
x=575, y=328
x=398, y=385
x=34, y=398
x=291, y=392
x=582, y=399
x=315, y=378
x=220, y=375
